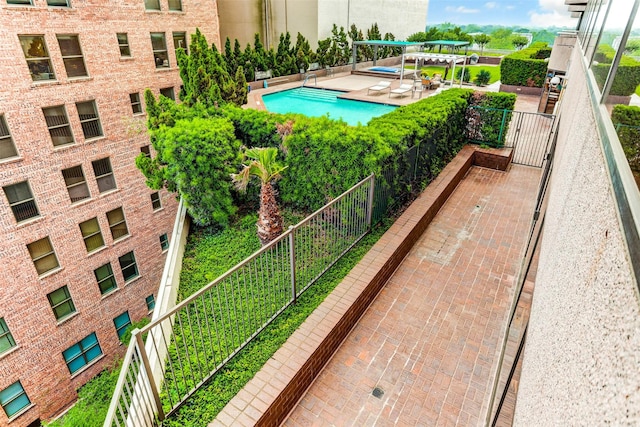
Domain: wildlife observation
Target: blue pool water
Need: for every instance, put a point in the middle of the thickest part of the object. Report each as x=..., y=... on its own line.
x=385, y=69
x=320, y=102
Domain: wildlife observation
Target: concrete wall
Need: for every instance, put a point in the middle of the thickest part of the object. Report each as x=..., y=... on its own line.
x=314, y=19
x=581, y=357
x=241, y=19
x=399, y=17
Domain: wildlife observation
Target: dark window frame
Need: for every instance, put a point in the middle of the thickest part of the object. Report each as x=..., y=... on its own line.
x=113, y=226
x=58, y=125
x=67, y=301
x=71, y=60
x=22, y=207
x=85, y=348
x=126, y=265
x=124, y=46
x=88, y=236
x=72, y=180
x=41, y=55
x=6, y=337
x=91, y=126
x=136, y=103
x=109, y=278
x=6, y=141
x=44, y=255
x=103, y=172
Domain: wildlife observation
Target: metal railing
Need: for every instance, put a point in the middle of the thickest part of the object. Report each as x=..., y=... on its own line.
x=529, y=134
x=189, y=343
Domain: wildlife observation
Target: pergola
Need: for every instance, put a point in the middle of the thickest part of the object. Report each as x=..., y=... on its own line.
x=376, y=44
x=455, y=44
x=440, y=57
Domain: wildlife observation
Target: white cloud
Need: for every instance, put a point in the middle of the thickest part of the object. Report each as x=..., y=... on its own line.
x=510, y=7
x=461, y=9
x=552, y=13
x=491, y=5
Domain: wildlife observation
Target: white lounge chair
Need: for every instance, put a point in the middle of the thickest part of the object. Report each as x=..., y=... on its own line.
x=382, y=85
x=401, y=90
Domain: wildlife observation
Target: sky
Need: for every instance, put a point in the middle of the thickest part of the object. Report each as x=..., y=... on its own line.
x=526, y=13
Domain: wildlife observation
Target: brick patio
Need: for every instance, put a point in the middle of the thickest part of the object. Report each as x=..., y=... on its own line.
x=430, y=340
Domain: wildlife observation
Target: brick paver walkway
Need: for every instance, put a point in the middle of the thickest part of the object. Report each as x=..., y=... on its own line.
x=429, y=341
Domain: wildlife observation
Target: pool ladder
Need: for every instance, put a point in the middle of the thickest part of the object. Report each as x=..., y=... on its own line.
x=315, y=79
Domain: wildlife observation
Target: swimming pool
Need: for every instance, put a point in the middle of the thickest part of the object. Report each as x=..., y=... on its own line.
x=392, y=70
x=319, y=102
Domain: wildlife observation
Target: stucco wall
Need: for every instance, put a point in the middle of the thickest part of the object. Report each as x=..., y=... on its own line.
x=314, y=19
x=582, y=353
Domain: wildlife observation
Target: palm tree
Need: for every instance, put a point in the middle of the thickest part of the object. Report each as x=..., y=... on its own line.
x=262, y=164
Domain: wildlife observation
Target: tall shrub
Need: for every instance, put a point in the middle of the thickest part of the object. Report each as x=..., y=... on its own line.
x=525, y=67
x=627, y=77
x=195, y=158
x=627, y=121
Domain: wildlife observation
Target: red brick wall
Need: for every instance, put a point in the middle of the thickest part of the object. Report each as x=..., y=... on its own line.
x=37, y=362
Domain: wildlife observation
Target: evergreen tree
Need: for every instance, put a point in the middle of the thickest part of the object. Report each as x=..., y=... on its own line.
x=204, y=75
x=356, y=35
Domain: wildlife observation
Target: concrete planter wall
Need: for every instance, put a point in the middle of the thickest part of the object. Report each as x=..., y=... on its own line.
x=521, y=90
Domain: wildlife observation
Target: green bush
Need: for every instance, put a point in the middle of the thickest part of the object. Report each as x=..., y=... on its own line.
x=467, y=74
x=627, y=121
x=93, y=400
x=525, y=67
x=627, y=77
x=487, y=120
x=482, y=78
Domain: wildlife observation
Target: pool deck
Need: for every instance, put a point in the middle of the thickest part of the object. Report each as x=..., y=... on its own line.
x=355, y=87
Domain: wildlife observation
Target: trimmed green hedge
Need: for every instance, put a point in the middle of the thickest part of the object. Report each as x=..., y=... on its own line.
x=525, y=67
x=627, y=77
x=629, y=134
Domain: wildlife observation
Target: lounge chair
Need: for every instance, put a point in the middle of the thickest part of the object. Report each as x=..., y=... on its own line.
x=401, y=90
x=382, y=85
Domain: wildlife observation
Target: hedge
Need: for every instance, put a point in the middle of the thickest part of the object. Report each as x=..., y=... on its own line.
x=627, y=77
x=627, y=121
x=525, y=67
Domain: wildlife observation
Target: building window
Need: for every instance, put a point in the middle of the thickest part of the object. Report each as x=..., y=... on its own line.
x=104, y=174
x=81, y=354
x=151, y=302
x=123, y=43
x=76, y=184
x=159, y=46
x=145, y=150
x=58, y=124
x=117, y=223
x=180, y=42
x=155, y=201
x=72, y=55
x=61, y=303
x=121, y=323
x=25, y=2
x=136, y=105
x=58, y=3
x=43, y=256
x=164, y=242
x=6, y=339
x=37, y=56
x=7, y=147
x=21, y=201
x=89, y=119
x=91, y=234
x=128, y=266
x=167, y=92
x=175, y=4
x=152, y=4
x=105, y=278
x=14, y=399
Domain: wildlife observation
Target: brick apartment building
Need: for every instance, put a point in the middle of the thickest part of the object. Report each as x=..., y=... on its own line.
x=83, y=238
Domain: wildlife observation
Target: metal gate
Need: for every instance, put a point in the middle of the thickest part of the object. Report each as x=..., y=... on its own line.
x=529, y=134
